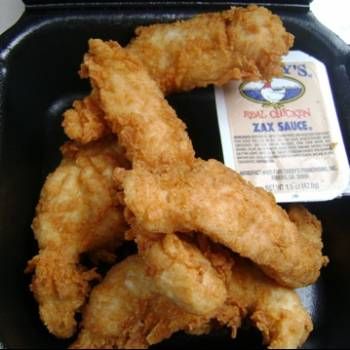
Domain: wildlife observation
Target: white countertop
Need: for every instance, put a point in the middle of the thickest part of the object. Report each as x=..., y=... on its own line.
x=10, y=11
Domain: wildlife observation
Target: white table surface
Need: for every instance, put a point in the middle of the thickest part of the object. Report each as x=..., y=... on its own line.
x=332, y=13
x=10, y=11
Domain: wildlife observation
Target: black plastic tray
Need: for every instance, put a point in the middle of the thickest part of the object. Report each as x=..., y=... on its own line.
x=39, y=59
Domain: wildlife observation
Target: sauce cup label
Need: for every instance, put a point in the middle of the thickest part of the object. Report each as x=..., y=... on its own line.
x=284, y=135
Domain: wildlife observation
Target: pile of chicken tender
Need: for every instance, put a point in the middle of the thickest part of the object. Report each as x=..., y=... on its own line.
x=212, y=249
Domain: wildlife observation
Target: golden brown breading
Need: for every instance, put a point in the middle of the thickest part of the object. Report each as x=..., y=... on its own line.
x=191, y=194
x=178, y=282
x=137, y=111
x=307, y=224
x=276, y=311
x=135, y=107
x=201, y=196
x=126, y=311
x=210, y=198
x=84, y=122
x=181, y=273
x=213, y=48
x=77, y=212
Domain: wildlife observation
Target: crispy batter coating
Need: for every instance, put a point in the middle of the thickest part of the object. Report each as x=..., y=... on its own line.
x=177, y=282
x=213, y=48
x=276, y=311
x=307, y=224
x=137, y=111
x=210, y=198
x=77, y=212
x=182, y=194
x=181, y=273
x=135, y=107
x=126, y=311
x=84, y=122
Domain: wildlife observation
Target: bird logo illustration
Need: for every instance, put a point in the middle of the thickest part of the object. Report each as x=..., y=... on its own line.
x=274, y=93
x=271, y=94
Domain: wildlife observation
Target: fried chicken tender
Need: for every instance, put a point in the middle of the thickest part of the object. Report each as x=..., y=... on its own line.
x=150, y=116
x=181, y=194
x=212, y=199
x=135, y=107
x=181, y=273
x=276, y=311
x=126, y=311
x=78, y=211
x=213, y=48
x=126, y=111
